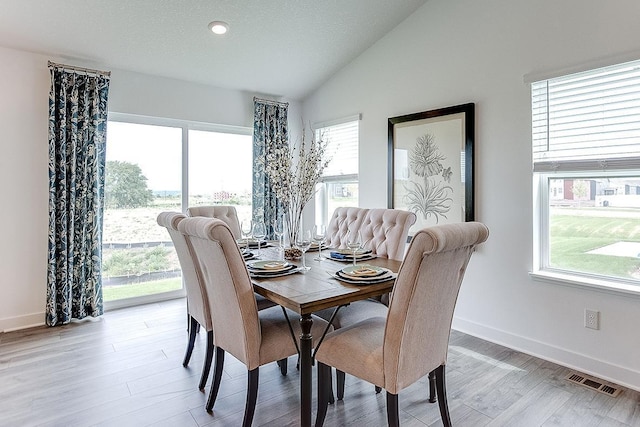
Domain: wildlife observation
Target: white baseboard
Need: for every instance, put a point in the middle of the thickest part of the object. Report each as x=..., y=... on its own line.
x=599, y=368
x=26, y=321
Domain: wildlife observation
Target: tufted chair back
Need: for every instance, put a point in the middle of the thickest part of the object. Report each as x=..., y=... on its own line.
x=196, y=291
x=228, y=214
x=384, y=231
x=344, y=221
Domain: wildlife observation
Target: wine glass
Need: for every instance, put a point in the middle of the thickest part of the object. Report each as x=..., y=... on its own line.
x=354, y=243
x=278, y=231
x=318, y=237
x=304, y=243
x=246, y=227
x=259, y=231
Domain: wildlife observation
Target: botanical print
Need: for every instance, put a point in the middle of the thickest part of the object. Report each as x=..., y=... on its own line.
x=429, y=194
x=428, y=165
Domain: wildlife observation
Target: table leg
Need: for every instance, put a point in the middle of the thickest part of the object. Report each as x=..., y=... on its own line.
x=305, y=370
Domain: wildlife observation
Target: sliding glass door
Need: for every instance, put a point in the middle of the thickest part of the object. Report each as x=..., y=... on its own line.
x=155, y=166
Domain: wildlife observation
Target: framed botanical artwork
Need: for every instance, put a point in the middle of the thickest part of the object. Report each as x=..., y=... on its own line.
x=431, y=165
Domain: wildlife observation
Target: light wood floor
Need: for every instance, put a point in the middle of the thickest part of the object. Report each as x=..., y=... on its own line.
x=125, y=369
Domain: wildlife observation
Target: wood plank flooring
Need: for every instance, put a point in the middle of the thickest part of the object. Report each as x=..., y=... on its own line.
x=125, y=369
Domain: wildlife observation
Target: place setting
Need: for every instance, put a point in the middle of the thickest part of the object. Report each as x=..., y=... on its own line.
x=271, y=268
x=253, y=244
x=364, y=274
x=347, y=255
x=247, y=255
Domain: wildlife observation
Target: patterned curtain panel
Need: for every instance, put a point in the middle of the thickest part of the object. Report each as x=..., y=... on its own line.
x=269, y=125
x=77, y=135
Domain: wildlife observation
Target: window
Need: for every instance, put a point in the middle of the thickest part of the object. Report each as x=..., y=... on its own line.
x=221, y=170
x=586, y=165
x=339, y=183
x=155, y=165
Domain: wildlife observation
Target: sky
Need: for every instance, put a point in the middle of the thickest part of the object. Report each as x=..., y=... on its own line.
x=217, y=161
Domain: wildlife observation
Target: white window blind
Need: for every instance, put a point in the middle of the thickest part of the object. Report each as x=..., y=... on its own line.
x=342, y=147
x=588, y=120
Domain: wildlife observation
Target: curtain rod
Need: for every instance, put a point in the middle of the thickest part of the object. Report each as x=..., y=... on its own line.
x=268, y=101
x=51, y=64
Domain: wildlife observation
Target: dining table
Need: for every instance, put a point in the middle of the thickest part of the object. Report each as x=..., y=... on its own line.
x=314, y=290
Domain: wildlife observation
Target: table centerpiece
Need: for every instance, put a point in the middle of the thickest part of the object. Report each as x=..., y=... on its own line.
x=293, y=172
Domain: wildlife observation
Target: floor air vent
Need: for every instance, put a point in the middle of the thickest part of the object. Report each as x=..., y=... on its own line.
x=594, y=384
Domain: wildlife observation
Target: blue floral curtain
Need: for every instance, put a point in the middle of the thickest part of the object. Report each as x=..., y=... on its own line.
x=270, y=130
x=77, y=134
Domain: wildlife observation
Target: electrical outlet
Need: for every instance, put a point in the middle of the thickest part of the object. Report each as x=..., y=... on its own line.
x=591, y=319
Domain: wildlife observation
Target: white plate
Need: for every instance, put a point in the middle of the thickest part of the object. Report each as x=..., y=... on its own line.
x=363, y=270
x=264, y=274
x=362, y=281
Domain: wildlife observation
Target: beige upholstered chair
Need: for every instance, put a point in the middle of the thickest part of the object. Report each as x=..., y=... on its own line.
x=343, y=222
x=228, y=214
x=396, y=351
x=251, y=337
x=198, y=310
x=385, y=231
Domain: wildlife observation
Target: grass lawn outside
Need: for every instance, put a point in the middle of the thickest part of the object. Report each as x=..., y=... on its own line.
x=112, y=293
x=575, y=232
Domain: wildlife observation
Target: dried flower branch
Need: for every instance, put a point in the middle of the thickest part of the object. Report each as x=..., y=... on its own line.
x=293, y=173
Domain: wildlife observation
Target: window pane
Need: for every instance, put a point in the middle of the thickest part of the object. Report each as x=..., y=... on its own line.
x=339, y=186
x=594, y=226
x=143, y=178
x=221, y=170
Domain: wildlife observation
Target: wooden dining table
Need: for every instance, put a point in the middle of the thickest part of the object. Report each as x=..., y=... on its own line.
x=312, y=291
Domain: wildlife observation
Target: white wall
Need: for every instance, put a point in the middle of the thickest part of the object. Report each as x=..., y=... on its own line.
x=453, y=52
x=24, y=85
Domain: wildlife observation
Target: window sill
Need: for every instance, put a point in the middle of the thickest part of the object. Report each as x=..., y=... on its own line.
x=610, y=287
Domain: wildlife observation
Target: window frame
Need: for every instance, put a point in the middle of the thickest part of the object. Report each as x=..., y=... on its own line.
x=543, y=171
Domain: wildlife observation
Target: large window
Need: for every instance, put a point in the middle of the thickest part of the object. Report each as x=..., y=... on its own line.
x=339, y=183
x=155, y=165
x=586, y=162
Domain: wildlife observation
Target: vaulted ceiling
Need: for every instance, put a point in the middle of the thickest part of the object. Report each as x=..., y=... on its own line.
x=282, y=48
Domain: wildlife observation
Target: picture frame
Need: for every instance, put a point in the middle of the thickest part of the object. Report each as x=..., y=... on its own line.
x=431, y=165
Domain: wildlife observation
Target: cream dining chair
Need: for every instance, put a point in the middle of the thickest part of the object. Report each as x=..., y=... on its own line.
x=226, y=213
x=344, y=221
x=229, y=216
x=197, y=310
x=384, y=232
x=254, y=338
x=395, y=351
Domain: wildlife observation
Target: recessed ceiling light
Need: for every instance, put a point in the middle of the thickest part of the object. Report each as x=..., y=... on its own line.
x=219, y=27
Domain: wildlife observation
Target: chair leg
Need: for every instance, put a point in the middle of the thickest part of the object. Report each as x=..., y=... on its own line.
x=324, y=392
x=340, y=384
x=432, y=386
x=393, y=414
x=441, y=389
x=193, y=325
x=252, y=397
x=217, y=376
x=282, y=364
x=332, y=399
x=207, y=361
